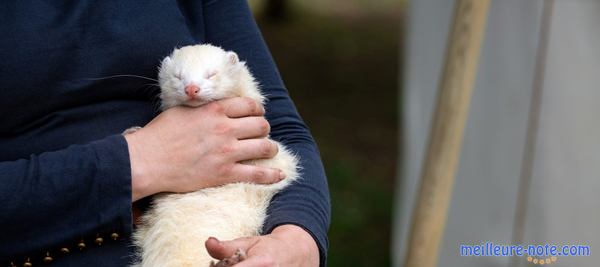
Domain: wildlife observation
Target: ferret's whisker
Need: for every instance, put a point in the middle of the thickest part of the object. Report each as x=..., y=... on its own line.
x=154, y=98
x=148, y=88
x=122, y=75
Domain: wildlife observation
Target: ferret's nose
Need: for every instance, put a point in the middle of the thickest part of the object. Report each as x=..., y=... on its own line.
x=192, y=90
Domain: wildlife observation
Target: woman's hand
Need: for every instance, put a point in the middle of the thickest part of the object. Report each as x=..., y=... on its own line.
x=187, y=149
x=288, y=245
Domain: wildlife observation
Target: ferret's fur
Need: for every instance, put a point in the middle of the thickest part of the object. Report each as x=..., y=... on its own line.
x=173, y=231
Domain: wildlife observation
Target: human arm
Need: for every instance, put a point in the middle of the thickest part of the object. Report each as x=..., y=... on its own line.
x=229, y=24
x=55, y=199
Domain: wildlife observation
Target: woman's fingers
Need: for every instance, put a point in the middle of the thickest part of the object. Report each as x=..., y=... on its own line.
x=238, y=107
x=251, y=127
x=217, y=250
x=225, y=249
x=255, y=174
x=250, y=149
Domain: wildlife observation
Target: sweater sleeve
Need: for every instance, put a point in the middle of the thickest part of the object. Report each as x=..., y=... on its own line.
x=58, y=198
x=229, y=24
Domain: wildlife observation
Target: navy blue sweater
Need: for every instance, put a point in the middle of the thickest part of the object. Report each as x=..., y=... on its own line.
x=65, y=178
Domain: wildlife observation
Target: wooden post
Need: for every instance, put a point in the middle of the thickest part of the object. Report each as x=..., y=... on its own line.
x=445, y=140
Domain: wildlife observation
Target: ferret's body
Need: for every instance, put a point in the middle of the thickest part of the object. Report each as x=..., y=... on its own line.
x=174, y=229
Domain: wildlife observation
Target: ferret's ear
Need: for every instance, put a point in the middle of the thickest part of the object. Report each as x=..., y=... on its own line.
x=166, y=62
x=232, y=58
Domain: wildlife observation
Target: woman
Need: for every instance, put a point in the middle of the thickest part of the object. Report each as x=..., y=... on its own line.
x=69, y=178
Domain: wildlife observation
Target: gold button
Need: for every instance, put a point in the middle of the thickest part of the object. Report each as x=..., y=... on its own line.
x=99, y=241
x=27, y=263
x=114, y=236
x=65, y=250
x=47, y=259
x=81, y=245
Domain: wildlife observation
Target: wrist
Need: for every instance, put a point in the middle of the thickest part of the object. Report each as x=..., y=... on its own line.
x=299, y=238
x=140, y=181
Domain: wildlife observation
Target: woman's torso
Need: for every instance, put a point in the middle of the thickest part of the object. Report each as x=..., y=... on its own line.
x=53, y=52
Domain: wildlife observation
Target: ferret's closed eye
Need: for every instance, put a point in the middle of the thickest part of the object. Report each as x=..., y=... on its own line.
x=211, y=74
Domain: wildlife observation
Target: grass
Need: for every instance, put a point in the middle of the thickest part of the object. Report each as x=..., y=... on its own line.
x=341, y=68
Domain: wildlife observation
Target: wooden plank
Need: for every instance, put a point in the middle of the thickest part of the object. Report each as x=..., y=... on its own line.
x=445, y=139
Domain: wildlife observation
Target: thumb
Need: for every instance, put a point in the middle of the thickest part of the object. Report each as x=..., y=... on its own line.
x=225, y=249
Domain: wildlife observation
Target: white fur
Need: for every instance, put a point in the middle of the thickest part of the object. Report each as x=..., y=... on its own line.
x=174, y=229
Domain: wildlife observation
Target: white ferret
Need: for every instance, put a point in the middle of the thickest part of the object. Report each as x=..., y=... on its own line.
x=173, y=231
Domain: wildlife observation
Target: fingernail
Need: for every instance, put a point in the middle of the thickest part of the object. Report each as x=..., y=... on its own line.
x=214, y=238
x=281, y=175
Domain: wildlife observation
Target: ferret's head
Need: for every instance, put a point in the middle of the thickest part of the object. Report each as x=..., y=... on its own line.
x=196, y=75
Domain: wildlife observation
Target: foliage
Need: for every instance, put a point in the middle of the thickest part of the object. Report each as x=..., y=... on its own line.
x=342, y=72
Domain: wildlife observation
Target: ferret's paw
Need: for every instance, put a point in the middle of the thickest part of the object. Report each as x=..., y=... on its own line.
x=131, y=130
x=228, y=262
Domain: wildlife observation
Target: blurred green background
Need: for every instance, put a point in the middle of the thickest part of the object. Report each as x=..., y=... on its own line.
x=340, y=62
